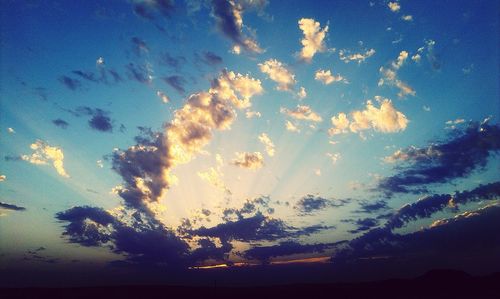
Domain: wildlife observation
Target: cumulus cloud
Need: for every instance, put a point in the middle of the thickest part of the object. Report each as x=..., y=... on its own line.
x=310, y=204
x=346, y=57
x=465, y=151
x=99, y=119
x=11, y=207
x=302, y=94
x=313, y=40
x=253, y=160
x=279, y=73
x=267, y=142
x=302, y=112
x=43, y=153
x=394, y=6
x=146, y=166
x=229, y=21
x=326, y=77
x=385, y=119
x=389, y=75
x=252, y=114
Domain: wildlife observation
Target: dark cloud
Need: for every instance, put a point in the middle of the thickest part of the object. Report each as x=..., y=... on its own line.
x=90, y=76
x=139, y=45
x=60, y=123
x=228, y=17
x=310, y=204
x=142, y=239
x=139, y=73
x=465, y=151
x=174, y=62
x=149, y=9
x=146, y=160
x=103, y=75
x=452, y=240
x=264, y=253
x=426, y=206
x=249, y=207
x=372, y=207
x=363, y=224
x=99, y=119
x=211, y=58
x=176, y=82
x=70, y=83
x=41, y=92
x=7, y=206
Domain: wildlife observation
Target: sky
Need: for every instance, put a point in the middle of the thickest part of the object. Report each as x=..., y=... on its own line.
x=180, y=135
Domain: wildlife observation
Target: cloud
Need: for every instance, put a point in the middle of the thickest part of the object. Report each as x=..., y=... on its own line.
x=252, y=114
x=407, y=18
x=11, y=131
x=140, y=73
x=310, y=204
x=358, y=57
x=229, y=20
x=3, y=177
x=70, y=83
x=99, y=119
x=372, y=207
x=139, y=45
x=265, y=140
x=211, y=58
x=279, y=73
x=264, y=253
x=326, y=77
x=394, y=6
x=173, y=62
x=291, y=127
x=425, y=207
x=302, y=112
x=176, y=82
x=43, y=153
x=439, y=243
x=145, y=167
x=385, y=119
x=164, y=98
x=389, y=76
x=60, y=123
x=363, y=224
x=334, y=157
x=302, y=94
x=465, y=151
x=150, y=9
x=7, y=206
x=313, y=40
x=253, y=160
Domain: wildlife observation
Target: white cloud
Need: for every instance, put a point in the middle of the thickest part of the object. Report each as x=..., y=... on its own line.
x=291, y=127
x=416, y=58
x=317, y=172
x=99, y=164
x=3, y=177
x=43, y=153
x=407, y=18
x=394, y=6
x=326, y=77
x=385, y=119
x=426, y=108
x=264, y=139
x=279, y=73
x=334, y=157
x=358, y=57
x=389, y=75
x=252, y=114
x=302, y=94
x=302, y=112
x=163, y=97
x=313, y=40
x=253, y=160
x=11, y=130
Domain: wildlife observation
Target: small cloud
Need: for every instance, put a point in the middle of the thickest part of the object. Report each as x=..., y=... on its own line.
x=264, y=139
x=176, y=82
x=291, y=127
x=3, y=177
x=43, y=153
x=394, y=6
x=164, y=98
x=279, y=73
x=426, y=108
x=302, y=94
x=252, y=114
x=70, y=83
x=211, y=58
x=407, y=18
x=326, y=77
x=100, y=62
x=7, y=206
x=302, y=112
x=99, y=163
x=313, y=40
x=11, y=130
x=334, y=157
x=358, y=57
x=60, y=123
x=317, y=172
x=249, y=160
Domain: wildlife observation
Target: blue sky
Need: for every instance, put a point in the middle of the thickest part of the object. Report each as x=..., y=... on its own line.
x=223, y=128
